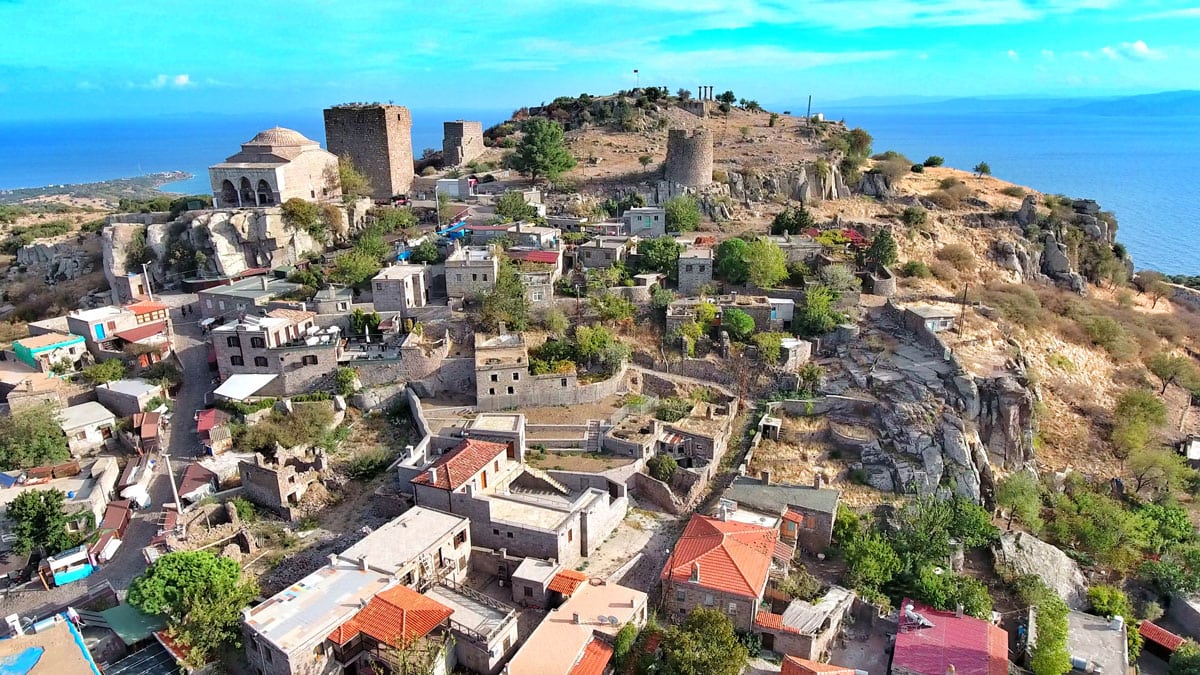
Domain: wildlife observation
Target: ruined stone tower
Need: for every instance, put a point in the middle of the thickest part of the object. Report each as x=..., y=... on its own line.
x=689, y=157
x=378, y=139
x=462, y=141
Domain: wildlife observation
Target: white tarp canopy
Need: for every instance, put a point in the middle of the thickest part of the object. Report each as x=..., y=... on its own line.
x=242, y=387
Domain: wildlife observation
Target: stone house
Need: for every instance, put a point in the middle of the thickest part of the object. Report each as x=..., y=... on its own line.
x=804, y=514
x=805, y=629
x=278, y=485
x=928, y=318
x=695, y=269
x=88, y=426
x=276, y=165
x=333, y=300
x=87, y=484
x=602, y=252
x=34, y=390
x=646, y=222
x=538, y=271
x=286, y=343
x=722, y=565
x=400, y=288
x=471, y=271
x=126, y=397
x=501, y=370
x=44, y=352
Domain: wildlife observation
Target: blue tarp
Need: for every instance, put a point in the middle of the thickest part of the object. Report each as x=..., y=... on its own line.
x=8, y=480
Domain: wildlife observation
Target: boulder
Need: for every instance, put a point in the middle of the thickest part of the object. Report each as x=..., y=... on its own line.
x=1021, y=553
x=1054, y=257
x=1005, y=421
x=876, y=185
x=1027, y=214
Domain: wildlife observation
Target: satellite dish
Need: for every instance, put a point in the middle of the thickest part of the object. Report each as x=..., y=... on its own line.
x=614, y=621
x=602, y=619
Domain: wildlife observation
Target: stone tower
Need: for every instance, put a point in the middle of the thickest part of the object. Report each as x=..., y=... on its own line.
x=689, y=157
x=378, y=139
x=462, y=141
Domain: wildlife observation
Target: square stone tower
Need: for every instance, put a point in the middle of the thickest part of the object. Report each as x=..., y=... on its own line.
x=462, y=141
x=378, y=139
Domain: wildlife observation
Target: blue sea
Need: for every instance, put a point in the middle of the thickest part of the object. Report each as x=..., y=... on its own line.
x=1139, y=168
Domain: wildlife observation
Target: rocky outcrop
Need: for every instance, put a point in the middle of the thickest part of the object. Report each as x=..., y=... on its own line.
x=802, y=182
x=1020, y=553
x=56, y=262
x=1005, y=420
x=874, y=184
x=1027, y=214
x=1057, y=266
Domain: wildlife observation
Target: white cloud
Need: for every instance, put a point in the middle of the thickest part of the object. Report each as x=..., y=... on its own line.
x=1137, y=50
x=163, y=81
x=1012, y=54
x=1185, y=13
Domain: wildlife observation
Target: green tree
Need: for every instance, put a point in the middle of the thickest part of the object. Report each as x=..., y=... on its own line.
x=1153, y=284
x=933, y=160
x=793, y=221
x=859, y=142
x=706, y=313
x=40, y=522
x=354, y=267
x=705, y=644
x=883, y=250
x=1170, y=526
x=32, y=437
x=344, y=379
x=766, y=263
x=731, y=260
x=425, y=253
x=727, y=97
x=612, y=307
x=839, y=278
x=542, y=152
x=555, y=321
x=811, y=375
x=201, y=594
x=392, y=219
x=1159, y=470
x=770, y=346
x=982, y=169
x=1176, y=571
x=1173, y=369
x=623, y=644
x=511, y=206
x=303, y=215
x=1021, y=495
x=371, y=244
x=1110, y=601
x=738, y=323
x=1185, y=660
x=105, y=371
x=871, y=562
x=683, y=213
x=660, y=254
x=818, y=316
x=355, y=184
x=662, y=467
x=506, y=302
x=1050, y=655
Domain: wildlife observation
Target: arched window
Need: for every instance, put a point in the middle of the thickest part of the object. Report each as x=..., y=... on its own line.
x=247, y=192
x=265, y=196
x=229, y=195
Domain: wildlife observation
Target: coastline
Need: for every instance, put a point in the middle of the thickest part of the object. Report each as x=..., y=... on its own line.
x=136, y=187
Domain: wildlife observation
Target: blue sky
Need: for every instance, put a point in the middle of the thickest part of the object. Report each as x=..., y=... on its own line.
x=67, y=58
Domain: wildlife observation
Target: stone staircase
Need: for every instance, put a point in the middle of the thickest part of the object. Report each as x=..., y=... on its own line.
x=553, y=485
x=592, y=437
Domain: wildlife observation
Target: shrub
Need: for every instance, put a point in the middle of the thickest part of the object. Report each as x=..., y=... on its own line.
x=916, y=269
x=673, y=409
x=959, y=255
x=245, y=509
x=918, y=168
x=914, y=216
x=934, y=160
x=368, y=465
x=662, y=467
x=1014, y=191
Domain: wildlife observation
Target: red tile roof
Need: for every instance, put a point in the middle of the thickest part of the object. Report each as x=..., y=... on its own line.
x=733, y=557
x=547, y=257
x=394, y=617
x=773, y=622
x=793, y=516
x=143, y=331
x=1159, y=635
x=457, y=466
x=794, y=665
x=207, y=419
x=972, y=646
x=566, y=582
x=596, y=656
x=145, y=307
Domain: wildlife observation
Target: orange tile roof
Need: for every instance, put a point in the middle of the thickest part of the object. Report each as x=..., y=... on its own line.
x=567, y=581
x=733, y=557
x=773, y=622
x=457, y=466
x=1160, y=635
x=145, y=307
x=596, y=656
x=793, y=516
x=394, y=617
x=794, y=665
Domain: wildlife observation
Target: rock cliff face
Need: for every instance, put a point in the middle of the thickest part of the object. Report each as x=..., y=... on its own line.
x=56, y=262
x=802, y=182
x=1023, y=553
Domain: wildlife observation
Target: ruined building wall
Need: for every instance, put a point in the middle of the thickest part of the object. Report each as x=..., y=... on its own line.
x=462, y=141
x=378, y=138
x=689, y=157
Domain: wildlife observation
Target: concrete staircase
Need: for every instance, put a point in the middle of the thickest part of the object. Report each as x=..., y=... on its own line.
x=553, y=485
x=592, y=437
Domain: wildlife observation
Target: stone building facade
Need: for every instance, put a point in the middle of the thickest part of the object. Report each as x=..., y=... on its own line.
x=400, y=288
x=471, y=271
x=689, y=157
x=278, y=344
x=378, y=139
x=695, y=269
x=278, y=486
x=462, y=141
x=276, y=165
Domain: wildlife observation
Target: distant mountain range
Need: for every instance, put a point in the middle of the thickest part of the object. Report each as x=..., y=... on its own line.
x=1164, y=104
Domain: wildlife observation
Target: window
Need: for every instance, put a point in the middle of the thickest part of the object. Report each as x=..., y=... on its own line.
x=233, y=342
x=496, y=532
x=732, y=608
x=236, y=361
x=508, y=640
x=207, y=302
x=680, y=595
x=378, y=286
x=474, y=277
x=221, y=305
x=496, y=465
x=461, y=538
x=536, y=296
x=516, y=376
x=563, y=382
x=703, y=267
x=491, y=391
x=462, y=563
x=495, y=377
x=310, y=360
x=485, y=277
x=528, y=593
x=510, y=390
x=343, y=306
x=708, y=600
x=510, y=535
x=458, y=277
x=570, y=535
x=258, y=343
x=260, y=361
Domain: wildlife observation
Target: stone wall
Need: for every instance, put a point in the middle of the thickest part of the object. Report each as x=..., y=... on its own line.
x=689, y=157
x=378, y=138
x=1186, y=296
x=462, y=141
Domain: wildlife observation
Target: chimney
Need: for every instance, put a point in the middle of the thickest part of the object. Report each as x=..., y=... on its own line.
x=262, y=282
x=819, y=480
x=575, y=617
x=433, y=474
x=958, y=612
x=765, y=477
x=695, y=578
x=723, y=513
x=333, y=559
x=303, y=306
x=950, y=669
x=362, y=563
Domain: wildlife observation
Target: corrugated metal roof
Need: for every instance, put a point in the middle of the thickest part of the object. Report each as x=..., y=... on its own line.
x=973, y=646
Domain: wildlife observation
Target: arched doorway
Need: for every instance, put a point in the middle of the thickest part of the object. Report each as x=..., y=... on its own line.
x=265, y=196
x=247, y=193
x=229, y=195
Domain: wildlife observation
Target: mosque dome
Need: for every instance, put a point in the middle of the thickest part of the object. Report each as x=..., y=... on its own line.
x=279, y=136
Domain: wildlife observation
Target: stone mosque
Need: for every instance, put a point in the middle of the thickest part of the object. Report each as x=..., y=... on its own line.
x=273, y=167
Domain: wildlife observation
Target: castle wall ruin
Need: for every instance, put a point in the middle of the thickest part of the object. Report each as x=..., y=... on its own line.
x=689, y=157
x=462, y=141
x=378, y=139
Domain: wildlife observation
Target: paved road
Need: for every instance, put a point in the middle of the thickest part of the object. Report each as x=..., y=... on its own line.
x=32, y=599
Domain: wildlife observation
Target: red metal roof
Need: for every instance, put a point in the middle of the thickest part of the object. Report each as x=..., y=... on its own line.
x=143, y=331
x=733, y=557
x=457, y=466
x=547, y=257
x=194, y=477
x=209, y=418
x=594, y=661
x=394, y=617
x=1159, y=635
x=794, y=665
x=567, y=581
x=973, y=646
x=146, y=306
x=116, y=515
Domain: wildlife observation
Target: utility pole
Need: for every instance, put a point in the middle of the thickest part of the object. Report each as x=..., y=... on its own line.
x=808, y=115
x=174, y=491
x=637, y=78
x=146, y=274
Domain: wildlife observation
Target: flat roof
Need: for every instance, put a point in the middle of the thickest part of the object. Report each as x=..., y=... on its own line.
x=252, y=322
x=498, y=422
x=97, y=314
x=85, y=414
x=47, y=340
x=132, y=387
x=540, y=571
x=471, y=254
x=558, y=643
x=312, y=607
x=932, y=312
x=1092, y=637
x=776, y=496
x=696, y=253
x=404, y=538
x=469, y=612
x=527, y=513
x=63, y=651
x=242, y=386
x=251, y=287
x=399, y=271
